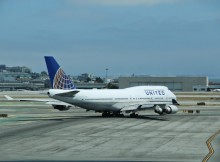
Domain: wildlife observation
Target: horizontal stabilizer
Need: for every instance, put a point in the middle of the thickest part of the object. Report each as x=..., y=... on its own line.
x=8, y=97
x=67, y=94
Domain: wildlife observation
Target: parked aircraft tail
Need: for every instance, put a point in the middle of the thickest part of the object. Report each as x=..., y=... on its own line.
x=58, y=78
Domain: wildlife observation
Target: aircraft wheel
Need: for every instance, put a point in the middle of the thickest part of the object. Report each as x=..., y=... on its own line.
x=133, y=115
x=116, y=114
x=105, y=114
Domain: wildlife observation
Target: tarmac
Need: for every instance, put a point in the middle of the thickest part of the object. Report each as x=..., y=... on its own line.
x=36, y=132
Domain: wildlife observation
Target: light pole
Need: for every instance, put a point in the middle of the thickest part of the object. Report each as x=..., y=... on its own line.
x=106, y=74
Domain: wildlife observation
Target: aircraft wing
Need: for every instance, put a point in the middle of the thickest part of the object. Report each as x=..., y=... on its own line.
x=133, y=106
x=139, y=106
x=58, y=103
x=130, y=108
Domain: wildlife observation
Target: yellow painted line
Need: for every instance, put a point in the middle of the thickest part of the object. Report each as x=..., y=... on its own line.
x=209, y=145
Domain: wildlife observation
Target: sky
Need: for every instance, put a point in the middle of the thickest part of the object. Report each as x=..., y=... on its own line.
x=140, y=37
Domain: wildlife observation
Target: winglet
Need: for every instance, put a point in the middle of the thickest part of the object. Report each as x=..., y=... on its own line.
x=8, y=97
x=58, y=78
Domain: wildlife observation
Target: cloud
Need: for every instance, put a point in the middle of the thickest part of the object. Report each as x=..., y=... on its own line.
x=123, y=2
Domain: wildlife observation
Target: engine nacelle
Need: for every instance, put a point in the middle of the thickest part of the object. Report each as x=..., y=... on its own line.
x=171, y=109
x=158, y=110
x=61, y=107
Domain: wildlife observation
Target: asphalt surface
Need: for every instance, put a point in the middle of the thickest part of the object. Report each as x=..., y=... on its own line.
x=35, y=132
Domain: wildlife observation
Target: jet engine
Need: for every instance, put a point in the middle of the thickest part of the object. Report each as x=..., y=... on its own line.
x=158, y=110
x=171, y=109
x=61, y=107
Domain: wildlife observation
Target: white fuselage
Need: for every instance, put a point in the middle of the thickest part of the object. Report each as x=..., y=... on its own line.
x=117, y=99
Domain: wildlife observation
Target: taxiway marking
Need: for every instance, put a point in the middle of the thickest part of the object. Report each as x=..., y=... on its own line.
x=209, y=145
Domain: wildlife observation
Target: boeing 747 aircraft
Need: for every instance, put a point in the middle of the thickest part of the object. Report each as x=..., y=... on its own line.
x=107, y=101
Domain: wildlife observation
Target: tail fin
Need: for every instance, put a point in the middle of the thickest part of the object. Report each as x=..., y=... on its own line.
x=58, y=78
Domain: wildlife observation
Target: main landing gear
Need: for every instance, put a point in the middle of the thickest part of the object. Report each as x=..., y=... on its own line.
x=112, y=114
x=117, y=114
x=133, y=115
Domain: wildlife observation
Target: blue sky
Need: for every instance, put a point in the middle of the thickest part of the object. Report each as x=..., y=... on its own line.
x=142, y=37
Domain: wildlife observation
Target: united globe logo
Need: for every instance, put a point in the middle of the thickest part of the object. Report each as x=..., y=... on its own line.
x=62, y=81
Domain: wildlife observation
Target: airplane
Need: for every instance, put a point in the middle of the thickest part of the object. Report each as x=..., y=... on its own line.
x=109, y=102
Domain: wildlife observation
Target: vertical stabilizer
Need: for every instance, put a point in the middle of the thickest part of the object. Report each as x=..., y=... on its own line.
x=58, y=78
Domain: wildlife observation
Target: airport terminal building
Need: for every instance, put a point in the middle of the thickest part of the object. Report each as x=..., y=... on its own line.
x=175, y=83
